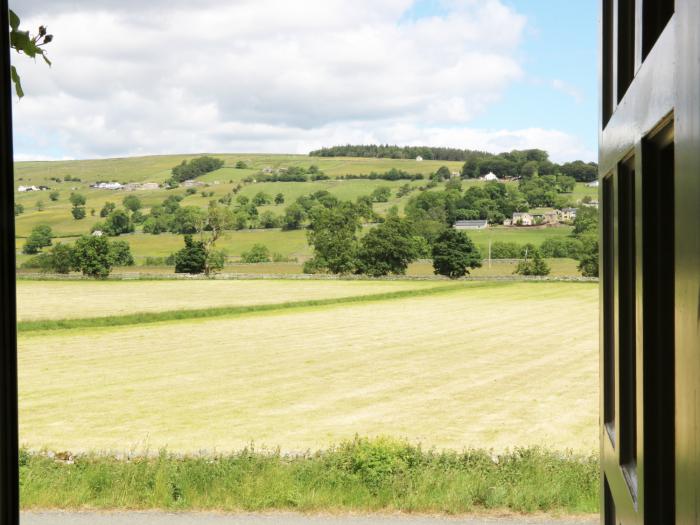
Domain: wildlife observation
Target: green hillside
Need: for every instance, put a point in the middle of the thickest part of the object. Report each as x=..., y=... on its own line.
x=221, y=183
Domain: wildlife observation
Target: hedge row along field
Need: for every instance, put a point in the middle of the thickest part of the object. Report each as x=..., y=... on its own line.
x=359, y=475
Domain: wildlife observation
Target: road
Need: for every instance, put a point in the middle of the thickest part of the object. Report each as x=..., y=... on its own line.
x=157, y=518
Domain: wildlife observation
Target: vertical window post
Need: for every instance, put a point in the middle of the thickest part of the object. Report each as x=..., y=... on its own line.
x=9, y=469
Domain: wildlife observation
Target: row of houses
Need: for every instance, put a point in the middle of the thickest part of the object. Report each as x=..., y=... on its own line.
x=25, y=189
x=131, y=186
x=536, y=219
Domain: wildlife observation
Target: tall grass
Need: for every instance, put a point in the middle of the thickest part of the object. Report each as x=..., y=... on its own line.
x=360, y=475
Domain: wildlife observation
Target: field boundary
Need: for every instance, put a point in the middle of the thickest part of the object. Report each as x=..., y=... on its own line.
x=138, y=276
x=365, y=475
x=224, y=311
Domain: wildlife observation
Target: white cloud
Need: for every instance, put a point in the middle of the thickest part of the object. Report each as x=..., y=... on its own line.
x=133, y=77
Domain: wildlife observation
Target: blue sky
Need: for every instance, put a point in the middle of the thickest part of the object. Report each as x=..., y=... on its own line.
x=560, y=44
x=479, y=74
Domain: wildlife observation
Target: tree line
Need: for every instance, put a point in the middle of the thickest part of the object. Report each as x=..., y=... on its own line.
x=515, y=163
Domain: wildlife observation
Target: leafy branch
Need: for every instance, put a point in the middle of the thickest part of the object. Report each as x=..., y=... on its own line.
x=24, y=42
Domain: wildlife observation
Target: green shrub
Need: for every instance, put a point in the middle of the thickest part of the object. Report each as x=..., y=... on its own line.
x=258, y=253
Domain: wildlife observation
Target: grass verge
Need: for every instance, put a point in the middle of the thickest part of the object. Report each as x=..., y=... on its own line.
x=227, y=311
x=360, y=475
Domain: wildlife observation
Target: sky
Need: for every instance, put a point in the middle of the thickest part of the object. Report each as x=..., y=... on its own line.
x=287, y=76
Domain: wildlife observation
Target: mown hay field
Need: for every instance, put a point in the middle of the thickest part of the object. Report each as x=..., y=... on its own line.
x=73, y=300
x=489, y=365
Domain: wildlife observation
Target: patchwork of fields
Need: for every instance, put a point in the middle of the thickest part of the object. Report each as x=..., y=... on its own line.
x=492, y=365
x=290, y=244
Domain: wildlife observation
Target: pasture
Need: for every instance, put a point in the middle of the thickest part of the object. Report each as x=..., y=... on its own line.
x=489, y=365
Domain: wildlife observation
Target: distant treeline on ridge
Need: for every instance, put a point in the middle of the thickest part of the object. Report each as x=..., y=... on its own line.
x=516, y=163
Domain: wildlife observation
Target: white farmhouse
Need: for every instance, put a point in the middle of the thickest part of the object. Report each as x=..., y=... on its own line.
x=419, y=159
x=24, y=189
x=490, y=176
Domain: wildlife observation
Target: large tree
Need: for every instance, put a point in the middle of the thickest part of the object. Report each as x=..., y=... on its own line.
x=388, y=248
x=39, y=238
x=454, y=254
x=333, y=235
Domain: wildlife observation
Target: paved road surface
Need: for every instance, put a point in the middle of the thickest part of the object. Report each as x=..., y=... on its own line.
x=153, y=518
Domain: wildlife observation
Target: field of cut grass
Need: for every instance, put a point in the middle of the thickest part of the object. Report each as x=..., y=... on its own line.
x=39, y=300
x=490, y=365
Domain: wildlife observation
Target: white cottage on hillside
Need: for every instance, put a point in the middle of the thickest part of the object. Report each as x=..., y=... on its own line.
x=490, y=176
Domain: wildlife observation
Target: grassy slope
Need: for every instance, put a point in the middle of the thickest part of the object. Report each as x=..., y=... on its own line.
x=157, y=169
x=435, y=369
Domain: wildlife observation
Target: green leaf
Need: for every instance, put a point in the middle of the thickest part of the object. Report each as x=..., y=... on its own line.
x=16, y=80
x=14, y=20
x=43, y=55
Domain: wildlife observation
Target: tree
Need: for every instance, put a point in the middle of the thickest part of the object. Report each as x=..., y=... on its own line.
x=117, y=223
x=268, y=220
x=192, y=258
x=586, y=221
x=23, y=42
x=454, y=254
x=293, y=217
x=187, y=220
x=381, y=194
x=39, y=238
x=78, y=212
x=77, y=199
x=535, y=266
x=241, y=165
x=120, y=253
x=388, y=248
x=19, y=209
x=588, y=260
x=61, y=258
x=92, y=256
x=132, y=203
x=443, y=173
x=258, y=253
x=54, y=195
x=279, y=199
x=261, y=199
x=39, y=205
x=333, y=236
x=216, y=259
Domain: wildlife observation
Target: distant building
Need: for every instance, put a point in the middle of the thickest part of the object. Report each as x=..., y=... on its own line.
x=108, y=186
x=568, y=214
x=591, y=204
x=490, y=176
x=552, y=217
x=24, y=189
x=593, y=184
x=133, y=186
x=267, y=169
x=192, y=183
x=97, y=233
x=471, y=225
x=419, y=159
x=522, y=219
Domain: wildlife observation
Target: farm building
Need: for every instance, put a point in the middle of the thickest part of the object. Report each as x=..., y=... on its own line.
x=419, y=159
x=593, y=184
x=471, y=225
x=24, y=189
x=568, y=214
x=552, y=217
x=133, y=186
x=490, y=176
x=522, y=219
x=107, y=186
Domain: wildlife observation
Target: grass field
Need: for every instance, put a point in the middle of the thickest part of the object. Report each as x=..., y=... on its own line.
x=485, y=365
x=52, y=299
